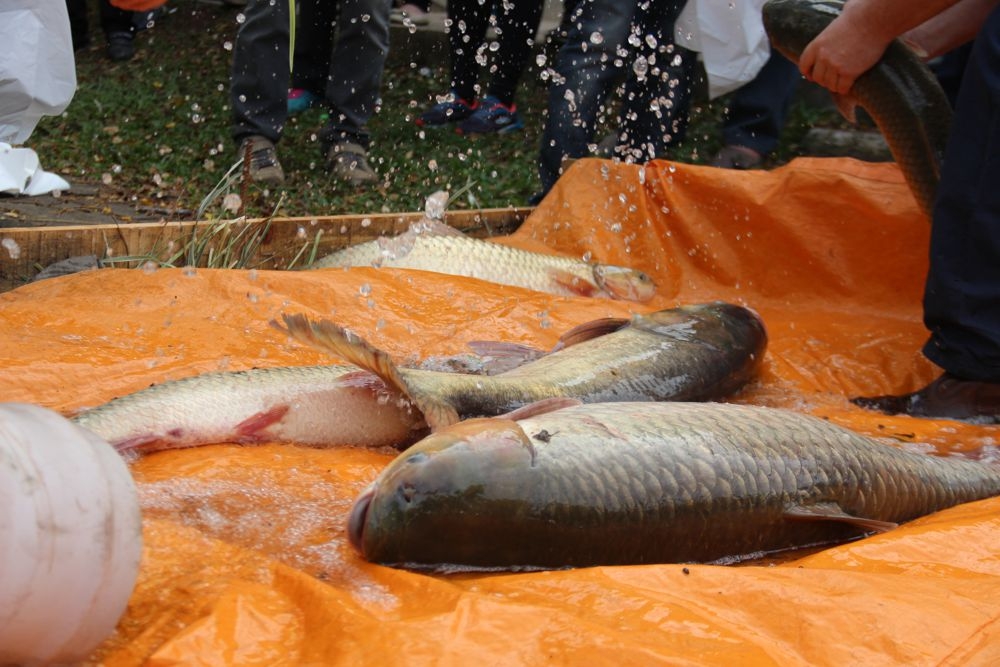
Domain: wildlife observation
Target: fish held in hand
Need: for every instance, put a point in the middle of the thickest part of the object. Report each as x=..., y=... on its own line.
x=691, y=353
x=900, y=92
x=629, y=483
x=435, y=246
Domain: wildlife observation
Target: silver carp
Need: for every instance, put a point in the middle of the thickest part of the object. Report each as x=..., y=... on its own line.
x=433, y=246
x=691, y=353
x=900, y=93
x=627, y=483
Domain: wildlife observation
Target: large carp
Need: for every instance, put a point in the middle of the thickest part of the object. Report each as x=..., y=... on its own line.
x=900, y=93
x=624, y=483
x=695, y=352
x=691, y=353
x=435, y=246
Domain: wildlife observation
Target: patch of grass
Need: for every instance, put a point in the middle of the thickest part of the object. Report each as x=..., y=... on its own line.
x=157, y=129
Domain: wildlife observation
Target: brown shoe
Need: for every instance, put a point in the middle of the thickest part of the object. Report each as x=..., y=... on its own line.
x=348, y=161
x=947, y=397
x=264, y=165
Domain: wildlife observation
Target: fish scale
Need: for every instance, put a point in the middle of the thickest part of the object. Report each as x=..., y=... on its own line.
x=646, y=482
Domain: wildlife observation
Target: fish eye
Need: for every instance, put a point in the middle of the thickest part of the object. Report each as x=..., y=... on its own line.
x=416, y=457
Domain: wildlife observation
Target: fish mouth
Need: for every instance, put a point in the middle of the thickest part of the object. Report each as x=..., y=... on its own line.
x=357, y=517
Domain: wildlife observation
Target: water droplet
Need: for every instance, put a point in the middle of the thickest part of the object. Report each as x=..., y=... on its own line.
x=596, y=38
x=365, y=289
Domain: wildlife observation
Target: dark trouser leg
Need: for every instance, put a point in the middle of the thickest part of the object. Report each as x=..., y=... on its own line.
x=469, y=21
x=356, y=65
x=259, y=82
x=962, y=297
x=113, y=19
x=517, y=25
x=759, y=108
x=586, y=69
x=656, y=104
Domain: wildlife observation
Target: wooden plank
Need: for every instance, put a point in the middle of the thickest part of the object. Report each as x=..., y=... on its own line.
x=271, y=244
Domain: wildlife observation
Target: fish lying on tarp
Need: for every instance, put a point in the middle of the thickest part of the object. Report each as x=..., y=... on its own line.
x=900, y=93
x=434, y=246
x=691, y=353
x=627, y=483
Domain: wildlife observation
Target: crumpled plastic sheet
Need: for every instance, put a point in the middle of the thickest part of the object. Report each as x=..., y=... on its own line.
x=246, y=561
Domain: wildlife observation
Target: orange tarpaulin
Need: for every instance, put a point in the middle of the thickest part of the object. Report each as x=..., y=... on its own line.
x=246, y=561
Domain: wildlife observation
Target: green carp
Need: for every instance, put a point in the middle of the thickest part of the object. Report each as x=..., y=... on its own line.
x=629, y=483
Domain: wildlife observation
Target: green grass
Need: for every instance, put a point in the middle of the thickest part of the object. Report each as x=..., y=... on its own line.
x=156, y=130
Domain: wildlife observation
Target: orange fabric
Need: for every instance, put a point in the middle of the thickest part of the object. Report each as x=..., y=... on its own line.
x=246, y=561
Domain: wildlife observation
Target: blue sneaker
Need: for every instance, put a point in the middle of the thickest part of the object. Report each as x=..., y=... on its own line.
x=491, y=116
x=300, y=99
x=450, y=109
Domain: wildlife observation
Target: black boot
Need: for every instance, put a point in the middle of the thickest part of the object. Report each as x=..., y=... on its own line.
x=947, y=397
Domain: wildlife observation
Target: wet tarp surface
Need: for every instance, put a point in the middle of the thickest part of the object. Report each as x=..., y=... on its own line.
x=246, y=560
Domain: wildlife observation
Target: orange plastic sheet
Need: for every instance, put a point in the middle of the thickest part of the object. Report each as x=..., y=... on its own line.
x=245, y=559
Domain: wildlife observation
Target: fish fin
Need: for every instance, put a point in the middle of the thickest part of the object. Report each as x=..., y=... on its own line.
x=498, y=356
x=590, y=330
x=833, y=512
x=847, y=105
x=251, y=429
x=541, y=407
x=573, y=283
x=335, y=339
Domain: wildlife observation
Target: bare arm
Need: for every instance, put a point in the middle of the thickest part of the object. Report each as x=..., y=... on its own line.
x=949, y=29
x=855, y=40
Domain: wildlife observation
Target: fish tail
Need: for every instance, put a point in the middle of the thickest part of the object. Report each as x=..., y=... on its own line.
x=335, y=339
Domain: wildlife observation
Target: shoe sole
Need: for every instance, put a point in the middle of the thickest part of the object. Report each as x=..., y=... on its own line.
x=506, y=129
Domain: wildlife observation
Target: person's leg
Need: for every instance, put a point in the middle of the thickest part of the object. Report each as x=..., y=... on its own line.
x=758, y=110
x=259, y=86
x=657, y=100
x=962, y=294
x=962, y=297
x=119, y=32
x=586, y=69
x=517, y=25
x=78, y=24
x=352, y=90
x=469, y=20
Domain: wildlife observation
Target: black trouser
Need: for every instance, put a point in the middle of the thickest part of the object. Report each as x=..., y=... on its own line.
x=353, y=64
x=962, y=296
x=758, y=109
x=517, y=24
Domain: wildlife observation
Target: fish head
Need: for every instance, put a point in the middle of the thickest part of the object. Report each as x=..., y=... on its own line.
x=404, y=515
x=699, y=321
x=624, y=283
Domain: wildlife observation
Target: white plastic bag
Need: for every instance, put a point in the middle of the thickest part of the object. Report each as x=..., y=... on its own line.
x=730, y=36
x=37, y=68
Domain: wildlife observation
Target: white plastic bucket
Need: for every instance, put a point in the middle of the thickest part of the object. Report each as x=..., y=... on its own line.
x=70, y=537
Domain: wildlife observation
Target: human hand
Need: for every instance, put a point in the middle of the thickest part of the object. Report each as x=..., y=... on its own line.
x=845, y=50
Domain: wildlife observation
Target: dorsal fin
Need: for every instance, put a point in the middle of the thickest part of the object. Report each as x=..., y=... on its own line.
x=335, y=339
x=591, y=330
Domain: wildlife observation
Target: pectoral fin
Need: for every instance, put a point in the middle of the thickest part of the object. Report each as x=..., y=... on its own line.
x=571, y=282
x=833, y=512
